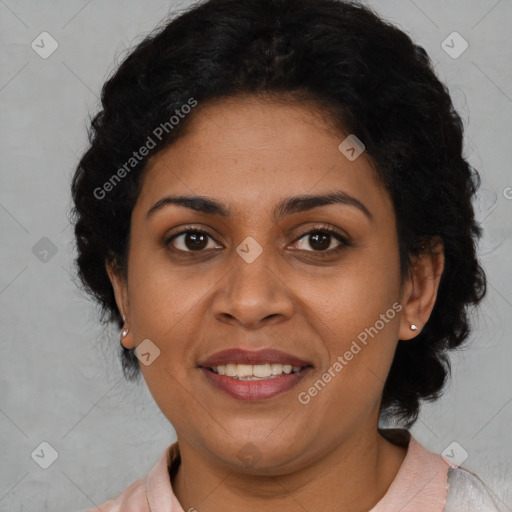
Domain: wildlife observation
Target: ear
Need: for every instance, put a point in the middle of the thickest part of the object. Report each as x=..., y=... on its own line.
x=120, y=286
x=420, y=289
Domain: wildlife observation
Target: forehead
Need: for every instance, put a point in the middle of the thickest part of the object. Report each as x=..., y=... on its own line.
x=250, y=152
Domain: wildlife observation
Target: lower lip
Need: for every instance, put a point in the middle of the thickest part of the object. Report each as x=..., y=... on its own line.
x=255, y=389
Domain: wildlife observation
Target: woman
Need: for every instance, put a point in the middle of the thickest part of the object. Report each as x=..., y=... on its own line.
x=276, y=211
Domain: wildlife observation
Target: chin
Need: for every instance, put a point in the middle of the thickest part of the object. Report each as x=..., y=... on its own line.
x=258, y=453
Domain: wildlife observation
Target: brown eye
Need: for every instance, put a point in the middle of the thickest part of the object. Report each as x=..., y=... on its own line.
x=320, y=240
x=190, y=241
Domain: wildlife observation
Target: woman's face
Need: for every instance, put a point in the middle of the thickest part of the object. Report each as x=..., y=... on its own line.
x=257, y=279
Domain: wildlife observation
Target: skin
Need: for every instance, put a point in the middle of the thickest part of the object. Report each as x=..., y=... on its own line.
x=250, y=153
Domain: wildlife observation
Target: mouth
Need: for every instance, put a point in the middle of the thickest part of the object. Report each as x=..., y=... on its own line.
x=261, y=375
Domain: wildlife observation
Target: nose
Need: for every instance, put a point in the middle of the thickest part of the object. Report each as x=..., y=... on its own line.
x=253, y=294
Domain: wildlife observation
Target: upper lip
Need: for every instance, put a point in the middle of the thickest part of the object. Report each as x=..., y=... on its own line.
x=239, y=356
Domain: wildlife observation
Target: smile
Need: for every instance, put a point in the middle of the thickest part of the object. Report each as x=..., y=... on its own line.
x=256, y=371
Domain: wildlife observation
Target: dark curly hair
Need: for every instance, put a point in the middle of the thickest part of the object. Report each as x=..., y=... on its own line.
x=361, y=72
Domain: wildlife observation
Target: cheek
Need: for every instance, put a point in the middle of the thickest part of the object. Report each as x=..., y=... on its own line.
x=356, y=313
x=162, y=297
x=353, y=296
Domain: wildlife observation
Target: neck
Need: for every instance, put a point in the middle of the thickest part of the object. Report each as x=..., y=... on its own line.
x=353, y=476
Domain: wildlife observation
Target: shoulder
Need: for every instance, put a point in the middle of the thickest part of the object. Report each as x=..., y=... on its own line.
x=467, y=493
x=133, y=496
x=152, y=488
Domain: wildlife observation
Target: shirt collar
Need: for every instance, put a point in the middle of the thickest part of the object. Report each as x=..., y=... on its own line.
x=421, y=481
x=159, y=492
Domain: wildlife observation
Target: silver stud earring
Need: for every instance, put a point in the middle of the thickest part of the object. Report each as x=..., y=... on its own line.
x=124, y=332
x=414, y=327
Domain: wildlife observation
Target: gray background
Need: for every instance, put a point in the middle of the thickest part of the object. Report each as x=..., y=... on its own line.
x=60, y=378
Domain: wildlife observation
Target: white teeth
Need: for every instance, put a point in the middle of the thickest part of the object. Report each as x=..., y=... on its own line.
x=276, y=369
x=261, y=370
x=231, y=370
x=256, y=371
x=244, y=370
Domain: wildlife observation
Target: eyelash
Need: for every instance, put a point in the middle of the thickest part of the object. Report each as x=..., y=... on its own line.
x=344, y=242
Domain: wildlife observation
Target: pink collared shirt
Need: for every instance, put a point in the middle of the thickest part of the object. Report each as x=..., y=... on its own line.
x=425, y=482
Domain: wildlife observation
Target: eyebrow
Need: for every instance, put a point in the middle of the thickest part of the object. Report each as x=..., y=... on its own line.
x=287, y=207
